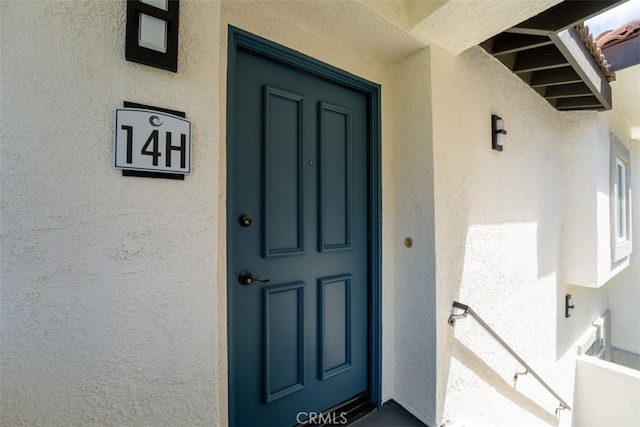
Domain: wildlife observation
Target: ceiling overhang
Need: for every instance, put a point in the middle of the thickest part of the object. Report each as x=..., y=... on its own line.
x=548, y=53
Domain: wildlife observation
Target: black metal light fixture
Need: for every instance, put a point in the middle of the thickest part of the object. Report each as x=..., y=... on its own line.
x=152, y=33
x=568, y=306
x=497, y=132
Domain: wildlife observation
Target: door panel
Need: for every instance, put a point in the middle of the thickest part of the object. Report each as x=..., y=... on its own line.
x=335, y=178
x=282, y=166
x=284, y=340
x=335, y=325
x=300, y=171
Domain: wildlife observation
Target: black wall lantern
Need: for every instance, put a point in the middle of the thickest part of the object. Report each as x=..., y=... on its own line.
x=152, y=33
x=497, y=132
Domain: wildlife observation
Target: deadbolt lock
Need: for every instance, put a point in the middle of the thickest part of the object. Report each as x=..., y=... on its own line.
x=245, y=220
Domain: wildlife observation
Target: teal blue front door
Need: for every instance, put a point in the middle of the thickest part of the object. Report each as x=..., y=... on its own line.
x=299, y=281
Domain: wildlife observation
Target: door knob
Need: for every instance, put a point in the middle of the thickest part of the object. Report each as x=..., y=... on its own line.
x=246, y=278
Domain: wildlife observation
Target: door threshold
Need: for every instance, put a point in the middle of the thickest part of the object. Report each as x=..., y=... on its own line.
x=343, y=413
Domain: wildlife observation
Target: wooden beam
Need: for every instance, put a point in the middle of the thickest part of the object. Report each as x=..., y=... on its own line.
x=508, y=60
x=541, y=58
x=552, y=102
x=573, y=48
x=505, y=43
x=572, y=90
x=558, y=76
x=565, y=15
x=529, y=31
x=580, y=102
x=589, y=108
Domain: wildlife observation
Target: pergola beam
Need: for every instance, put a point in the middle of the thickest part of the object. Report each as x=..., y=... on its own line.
x=580, y=102
x=559, y=76
x=548, y=53
x=573, y=48
x=510, y=43
x=564, y=15
x=541, y=58
x=567, y=91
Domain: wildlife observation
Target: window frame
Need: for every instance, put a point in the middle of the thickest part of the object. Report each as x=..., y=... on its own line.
x=621, y=245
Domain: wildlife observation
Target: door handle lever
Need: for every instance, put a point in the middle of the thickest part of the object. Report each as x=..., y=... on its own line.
x=246, y=278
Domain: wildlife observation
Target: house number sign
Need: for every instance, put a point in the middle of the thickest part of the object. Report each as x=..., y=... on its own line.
x=152, y=141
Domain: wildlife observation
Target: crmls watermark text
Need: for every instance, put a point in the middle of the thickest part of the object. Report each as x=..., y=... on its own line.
x=315, y=418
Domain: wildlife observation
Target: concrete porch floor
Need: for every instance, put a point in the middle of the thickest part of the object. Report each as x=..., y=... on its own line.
x=390, y=415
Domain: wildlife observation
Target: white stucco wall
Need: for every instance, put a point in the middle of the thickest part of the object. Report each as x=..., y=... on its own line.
x=414, y=334
x=108, y=290
x=586, y=197
x=587, y=233
x=624, y=289
x=579, y=199
x=606, y=394
x=499, y=246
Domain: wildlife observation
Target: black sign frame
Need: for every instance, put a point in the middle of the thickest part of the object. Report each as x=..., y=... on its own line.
x=147, y=174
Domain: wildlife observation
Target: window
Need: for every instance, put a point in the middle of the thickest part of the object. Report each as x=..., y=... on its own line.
x=620, y=200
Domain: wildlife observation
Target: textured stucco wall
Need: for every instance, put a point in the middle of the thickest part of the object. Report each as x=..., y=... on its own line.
x=414, y=275
x=458, y=25
x=108, y=302
x=579, y=199
x=587, y=239
x=499, y=246
x=624, y=289
x=606, y=394
x=586, y=228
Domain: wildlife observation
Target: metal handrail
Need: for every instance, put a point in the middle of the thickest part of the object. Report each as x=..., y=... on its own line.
x=469, y=310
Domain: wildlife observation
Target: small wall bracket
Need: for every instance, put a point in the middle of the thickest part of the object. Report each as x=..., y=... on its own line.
x=517, y=374
x=560, y=408
x=455, y=316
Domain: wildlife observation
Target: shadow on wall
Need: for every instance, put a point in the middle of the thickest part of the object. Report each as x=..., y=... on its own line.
x=506, y=268
x=488, y=375
x=512, y=288
x=498, y=234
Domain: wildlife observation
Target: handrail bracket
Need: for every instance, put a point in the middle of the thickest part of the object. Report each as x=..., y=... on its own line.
x=455, y=316
x=517, y=374
x=562, y=407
